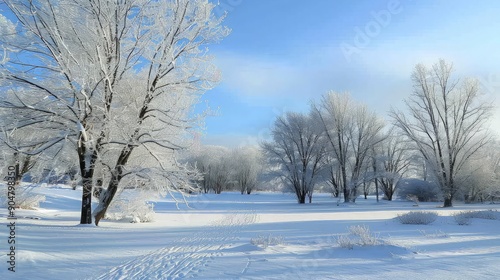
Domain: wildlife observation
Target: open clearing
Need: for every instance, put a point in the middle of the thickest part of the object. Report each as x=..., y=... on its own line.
x=212, y=239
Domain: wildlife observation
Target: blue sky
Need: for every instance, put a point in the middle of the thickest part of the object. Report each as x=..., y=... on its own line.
x=283, y=53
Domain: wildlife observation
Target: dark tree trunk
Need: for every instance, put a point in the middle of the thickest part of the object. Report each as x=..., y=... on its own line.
x=390, y=195
x=301, y=197
x=87, y=172
x=346, y=195
x=116, y=177
x=106, y=199
x=86, y=213
x=448, y=202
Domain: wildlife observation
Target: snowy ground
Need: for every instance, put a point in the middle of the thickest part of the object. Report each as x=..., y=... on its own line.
x=212, y=240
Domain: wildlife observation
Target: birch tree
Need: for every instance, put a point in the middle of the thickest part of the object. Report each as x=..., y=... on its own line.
x=297, y=147
x=115, y=79
x=445, y=121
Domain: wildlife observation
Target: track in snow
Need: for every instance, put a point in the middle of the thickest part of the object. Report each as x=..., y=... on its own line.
x=185, y=261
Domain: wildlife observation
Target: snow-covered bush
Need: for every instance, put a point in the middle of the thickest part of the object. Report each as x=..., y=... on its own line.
x=359, y=235
x=463, y=217
x=417, y=218
x=344, y=241
x=266, y=241
x=424, y=190
x=482, y=214
x=25, y=198
x=133, y=207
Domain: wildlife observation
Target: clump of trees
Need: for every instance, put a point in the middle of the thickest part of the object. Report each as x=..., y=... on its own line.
x=224, y=169
x=333, y=143
x=351, y=131
x=343, y=143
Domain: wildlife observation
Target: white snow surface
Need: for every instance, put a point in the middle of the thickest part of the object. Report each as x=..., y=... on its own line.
x=211, y=239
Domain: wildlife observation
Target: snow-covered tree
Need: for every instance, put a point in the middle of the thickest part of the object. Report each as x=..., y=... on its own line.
x=298, y=148
x=116, y=80
x=391, y=163
x=31, y=162
x=351, y=130
x=215, y=166
x=246, y=168
x=480, y=180
x=446, y=123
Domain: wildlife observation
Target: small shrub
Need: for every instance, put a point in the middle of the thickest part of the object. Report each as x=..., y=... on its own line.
x=464, y=217
x=425, y=191
x=266, y=241
x=359, y=235
x=344, y=241
x=417, y=218
x=131, y=208
x=461, y=220
x=25, y=198
x=482, y=214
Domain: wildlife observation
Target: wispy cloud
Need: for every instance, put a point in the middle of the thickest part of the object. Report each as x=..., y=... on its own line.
x=257, y=77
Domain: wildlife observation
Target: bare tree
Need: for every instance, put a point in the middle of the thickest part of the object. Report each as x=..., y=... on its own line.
x=215, y=165
x=246, y=167
x=351, y=131
x=480, y=180
x=334, y=174
x=392, y=163
x=445, y=121
x=298, y=149
x=115, y=78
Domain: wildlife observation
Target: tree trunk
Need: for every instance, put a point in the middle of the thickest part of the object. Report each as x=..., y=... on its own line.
x=116, y=176
x=448, y=202
x=106, y=199
x=346, y=194
x=302, y=198
x=86, y=212
x=87, y=172
x=389, y=195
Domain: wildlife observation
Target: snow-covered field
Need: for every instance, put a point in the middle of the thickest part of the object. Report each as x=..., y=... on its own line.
x=224, y=236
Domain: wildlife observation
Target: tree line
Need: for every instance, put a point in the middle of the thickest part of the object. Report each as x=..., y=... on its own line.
x=438, y=148
x=440, y=137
